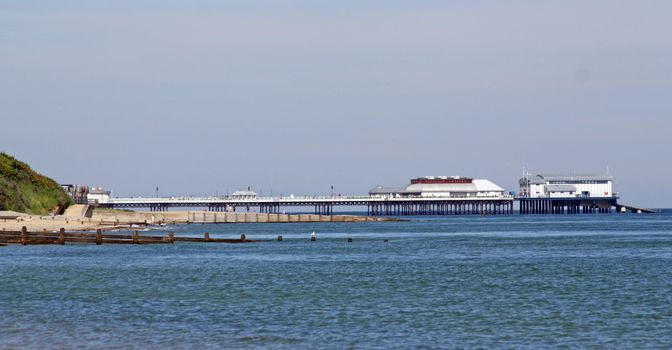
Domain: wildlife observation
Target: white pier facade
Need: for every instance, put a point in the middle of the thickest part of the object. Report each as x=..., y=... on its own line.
x=430, y=195
x=567, y=193
x=448, y=205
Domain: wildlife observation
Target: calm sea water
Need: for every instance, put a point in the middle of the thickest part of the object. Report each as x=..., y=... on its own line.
x=440, y=282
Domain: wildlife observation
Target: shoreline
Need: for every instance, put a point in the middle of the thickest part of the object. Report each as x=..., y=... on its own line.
x=111, y=220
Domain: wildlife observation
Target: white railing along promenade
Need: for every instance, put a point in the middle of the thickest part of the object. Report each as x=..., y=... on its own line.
x=290, y=199
x=576, y=196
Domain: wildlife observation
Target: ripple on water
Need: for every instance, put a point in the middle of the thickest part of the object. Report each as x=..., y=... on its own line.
x=523, y=282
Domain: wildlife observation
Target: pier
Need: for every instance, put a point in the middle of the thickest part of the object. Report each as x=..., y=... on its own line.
x=376, y=206
x=429, y=195
x=323, y=207
x=439, y=207
x=588, y=205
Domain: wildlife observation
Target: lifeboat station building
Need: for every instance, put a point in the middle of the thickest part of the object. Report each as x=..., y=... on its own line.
x=556, y=194
x=566, y=186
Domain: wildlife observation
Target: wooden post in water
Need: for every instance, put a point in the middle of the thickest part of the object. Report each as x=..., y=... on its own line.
x=242, y=237
x=206, y=237
x=171, y=237
x=136, y=237
x=61, y=236
x=24, y=235
x=99, y=237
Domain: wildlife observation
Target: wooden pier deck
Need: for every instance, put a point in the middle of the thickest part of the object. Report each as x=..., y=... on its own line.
x=376, y=205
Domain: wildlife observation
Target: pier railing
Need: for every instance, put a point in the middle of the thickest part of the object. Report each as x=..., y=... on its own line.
x=323, y=205
x=293, y=198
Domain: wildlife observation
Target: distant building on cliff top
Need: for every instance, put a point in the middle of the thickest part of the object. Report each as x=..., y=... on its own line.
x=87, y=195
x=98, y=195
x=77, y=193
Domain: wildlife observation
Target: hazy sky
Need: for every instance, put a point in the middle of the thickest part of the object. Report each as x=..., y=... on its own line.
x=295, y=96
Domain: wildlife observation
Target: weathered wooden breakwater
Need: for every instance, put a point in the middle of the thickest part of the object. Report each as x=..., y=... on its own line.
x=24, y=237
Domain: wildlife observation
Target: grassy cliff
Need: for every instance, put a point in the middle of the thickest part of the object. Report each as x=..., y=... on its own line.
x=24, y=190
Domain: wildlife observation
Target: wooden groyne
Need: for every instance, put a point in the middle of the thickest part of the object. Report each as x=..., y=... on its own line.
x=62, y=237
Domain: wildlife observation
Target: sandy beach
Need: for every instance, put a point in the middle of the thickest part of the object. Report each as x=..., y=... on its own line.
x=106, y=219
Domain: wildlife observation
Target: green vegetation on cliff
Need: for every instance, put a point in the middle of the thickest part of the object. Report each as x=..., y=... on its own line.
x=24, y=190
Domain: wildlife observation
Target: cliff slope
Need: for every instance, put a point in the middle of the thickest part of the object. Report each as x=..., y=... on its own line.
x=24, y=190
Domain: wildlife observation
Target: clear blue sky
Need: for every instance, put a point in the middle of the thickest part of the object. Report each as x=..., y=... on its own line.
x=294, y=96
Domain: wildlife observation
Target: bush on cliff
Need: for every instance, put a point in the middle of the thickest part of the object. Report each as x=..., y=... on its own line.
x=24, y=190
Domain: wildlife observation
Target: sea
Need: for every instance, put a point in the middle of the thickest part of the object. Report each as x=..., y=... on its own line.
x=433, y=282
